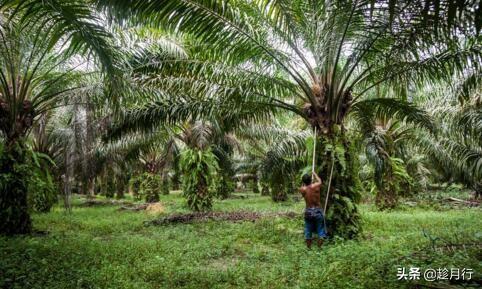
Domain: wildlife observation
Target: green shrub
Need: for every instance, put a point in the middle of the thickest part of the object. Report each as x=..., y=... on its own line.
x=149, y=187
x=41, y=188
x=395, y=182
x=42, y=191
x=199, y=169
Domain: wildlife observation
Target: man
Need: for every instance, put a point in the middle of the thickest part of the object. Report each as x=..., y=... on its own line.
x=313, y=214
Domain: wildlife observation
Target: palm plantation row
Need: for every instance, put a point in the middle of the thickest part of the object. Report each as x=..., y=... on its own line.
x=150, y=96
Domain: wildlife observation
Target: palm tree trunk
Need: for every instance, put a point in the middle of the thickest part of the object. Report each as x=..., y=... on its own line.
x=14, y=173
x=342, y=216
x=175, y=181
x=278, y=192
x=225, y=187
x=387, y=194
x=120, y=188
x=67, y=178
x=477, y=187
x=88, y=168
x=255, y=185
x=78, y=147
x=108, y=182
x=264, y=189
x=197, y=194
x=165, y=182
x=203, y=202
x=91, y=187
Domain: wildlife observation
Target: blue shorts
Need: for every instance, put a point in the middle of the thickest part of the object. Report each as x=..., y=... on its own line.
x=314, y=225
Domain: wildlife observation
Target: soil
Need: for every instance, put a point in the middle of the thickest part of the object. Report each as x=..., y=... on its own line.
x=95, y=203
x=238, y=216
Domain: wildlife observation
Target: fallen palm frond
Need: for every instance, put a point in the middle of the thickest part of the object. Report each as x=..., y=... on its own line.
x=216, y=216
x=464, y=202
x=94, y=202
x=140, y=207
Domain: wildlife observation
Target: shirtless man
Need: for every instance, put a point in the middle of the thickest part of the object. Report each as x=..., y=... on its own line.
x=313, y=214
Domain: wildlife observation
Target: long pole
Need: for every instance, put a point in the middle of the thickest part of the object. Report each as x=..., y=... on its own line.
x=329, y=185
x=314, y=154
x=329, y=180
x=328, y=191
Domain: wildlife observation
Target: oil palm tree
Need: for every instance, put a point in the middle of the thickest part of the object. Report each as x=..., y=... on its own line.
x=199, y=147
x=385, y=139
x=206, y=146
x=456, y=151
x=38, y=38
x=148, y=158
x=197, y=162
x=277, y=155
x=317, y=59
x=390, y=175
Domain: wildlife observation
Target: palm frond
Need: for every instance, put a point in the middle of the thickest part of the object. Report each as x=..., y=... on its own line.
x=73, y=23
x=168, y=111
x=460, y=161
x=367, y=111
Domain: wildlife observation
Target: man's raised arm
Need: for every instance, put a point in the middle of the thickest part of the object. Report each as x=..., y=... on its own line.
x=317, y=180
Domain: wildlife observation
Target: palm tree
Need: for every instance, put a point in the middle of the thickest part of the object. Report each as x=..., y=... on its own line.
x=456, y=151
x=147, y=157
x=277, y=155
x=49, y=139
x=206, y=146
x=385, y=138
x=197, y=162
x=37, y=40
x=391, y=178
x=317, y=59
x=199, y=148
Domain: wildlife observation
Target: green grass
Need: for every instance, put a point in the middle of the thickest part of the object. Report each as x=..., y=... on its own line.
x=101, y=247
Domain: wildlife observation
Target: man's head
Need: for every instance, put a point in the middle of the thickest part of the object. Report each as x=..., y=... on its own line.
x=306, y=179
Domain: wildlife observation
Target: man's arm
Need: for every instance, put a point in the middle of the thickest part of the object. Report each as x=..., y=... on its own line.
x=317, y=184
x=302, y=191
x=317, y=178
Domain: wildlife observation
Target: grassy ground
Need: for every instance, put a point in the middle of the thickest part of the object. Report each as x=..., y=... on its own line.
x=101, y=247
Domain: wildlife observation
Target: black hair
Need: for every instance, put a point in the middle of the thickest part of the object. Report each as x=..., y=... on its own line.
x=306, y=179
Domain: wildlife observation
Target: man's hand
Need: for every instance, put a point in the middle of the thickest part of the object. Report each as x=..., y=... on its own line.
x=317, y=178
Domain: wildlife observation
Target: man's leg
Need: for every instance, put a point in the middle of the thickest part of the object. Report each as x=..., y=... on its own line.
x=320, y=242
x=320, y=231
x=308, y=230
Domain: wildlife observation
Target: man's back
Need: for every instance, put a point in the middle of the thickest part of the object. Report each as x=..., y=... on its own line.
x=313, y=213
x=311, y=194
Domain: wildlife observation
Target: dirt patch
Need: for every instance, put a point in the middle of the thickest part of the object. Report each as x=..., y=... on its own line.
x=100, y=203
x=150, y=208
x=222, y=264
x=238, y=216
x=155, y=208
x=132, y=207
